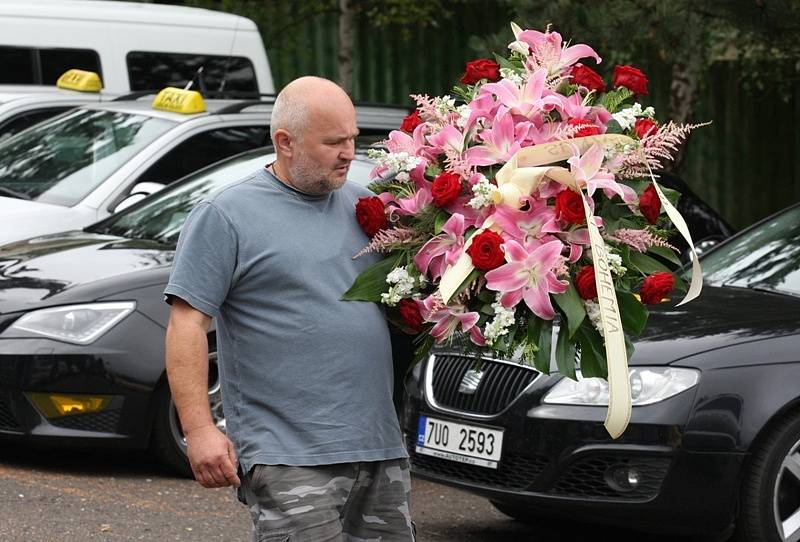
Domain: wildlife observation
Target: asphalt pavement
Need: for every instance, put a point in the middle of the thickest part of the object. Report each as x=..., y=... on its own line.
x=48, y=495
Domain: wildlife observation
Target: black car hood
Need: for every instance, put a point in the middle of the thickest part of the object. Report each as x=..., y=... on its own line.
x=720, y=317
x=77, y=267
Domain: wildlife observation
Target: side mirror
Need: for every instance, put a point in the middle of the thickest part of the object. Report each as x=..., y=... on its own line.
x=138, y=193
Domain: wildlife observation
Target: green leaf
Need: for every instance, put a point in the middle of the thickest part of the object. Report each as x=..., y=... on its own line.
x=613, y=127
x=371, y=283
x=666, y=253
x=422, y=349
x=438, y=223
x=503, y=344
x=570, y=302
x=565, y=353
x=613, y=99
x=432, y=170
x=540, y=333
x=645, y=264
x=593, y=352
x=634, y=314
x=467, y=281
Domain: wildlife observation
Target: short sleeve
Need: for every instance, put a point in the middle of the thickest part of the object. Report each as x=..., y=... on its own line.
x=205, y=260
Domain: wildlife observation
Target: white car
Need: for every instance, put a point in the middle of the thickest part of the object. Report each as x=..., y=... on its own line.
x=75, y=169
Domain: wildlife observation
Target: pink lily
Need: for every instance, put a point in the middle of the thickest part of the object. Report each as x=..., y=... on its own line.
x=443, y=249
x=449, y=137
x=528, y=101
x=523, y=226
x=529, y=276
x=548, y=49
x=449, y=318
x=499, y=141
x=588, y=171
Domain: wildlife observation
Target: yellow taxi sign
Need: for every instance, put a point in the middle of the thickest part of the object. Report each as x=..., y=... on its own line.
x=179, y=100
x=80, y=80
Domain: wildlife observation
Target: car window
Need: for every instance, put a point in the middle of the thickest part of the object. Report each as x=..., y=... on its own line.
x=203, y=149
x=43, y=66
x=764, y=257
x=19, y=122
x=149, y=70
x=62, y=160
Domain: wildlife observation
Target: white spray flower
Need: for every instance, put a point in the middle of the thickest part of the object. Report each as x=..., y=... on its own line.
x=401, y=285
x=483, y=191
x=593, y=312
x=498, y=326
x=512, y=75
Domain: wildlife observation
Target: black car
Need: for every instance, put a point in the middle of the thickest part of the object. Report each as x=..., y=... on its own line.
x=714, y=438
x=82, y=321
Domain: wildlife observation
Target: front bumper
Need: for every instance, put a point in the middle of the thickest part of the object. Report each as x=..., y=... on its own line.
x=557, y=461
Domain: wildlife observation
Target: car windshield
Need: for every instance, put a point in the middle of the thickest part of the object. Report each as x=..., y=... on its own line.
x=766, y=257
x=62, y=160
x=161, y=217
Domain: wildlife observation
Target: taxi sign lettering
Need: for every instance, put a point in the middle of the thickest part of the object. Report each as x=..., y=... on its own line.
x=179, y=101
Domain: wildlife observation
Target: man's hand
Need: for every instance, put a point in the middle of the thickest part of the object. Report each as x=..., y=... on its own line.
x=212, y=457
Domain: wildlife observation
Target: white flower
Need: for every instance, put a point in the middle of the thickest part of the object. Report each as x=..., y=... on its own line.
x=483, y=191
x=402, y=177
x=593, y=312
x=615, y=261
x=519, y=47
x=444, y=105
x=395, y=161
x=512, y=75
x=464, y=112
x=498, y=326
x=401, y=285
x=627, y=117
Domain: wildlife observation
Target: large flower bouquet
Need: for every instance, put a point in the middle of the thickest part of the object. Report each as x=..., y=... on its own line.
x=524, y=199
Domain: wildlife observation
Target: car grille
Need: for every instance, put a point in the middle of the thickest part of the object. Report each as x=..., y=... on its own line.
x=513, y=471
x=501, y=383
x=590, y=477
x=105, y=422
x=7, y=419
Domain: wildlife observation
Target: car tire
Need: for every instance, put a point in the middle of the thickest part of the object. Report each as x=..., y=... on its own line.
x=168, y=442
x=771, y=488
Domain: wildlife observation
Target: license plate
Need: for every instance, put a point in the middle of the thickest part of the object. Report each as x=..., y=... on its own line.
x=460, y=442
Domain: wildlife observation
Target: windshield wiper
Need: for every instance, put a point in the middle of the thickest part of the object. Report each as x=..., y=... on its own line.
x=14, y=193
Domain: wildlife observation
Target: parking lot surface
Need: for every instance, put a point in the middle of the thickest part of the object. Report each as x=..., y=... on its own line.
x=47, y=495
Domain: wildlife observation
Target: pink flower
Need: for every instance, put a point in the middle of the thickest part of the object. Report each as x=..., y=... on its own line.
x=588, y=171
x=529, y=276
x=449, y=137
x=548, y=50
x=499, y=142
x=449, y=318
x=524, y=226
x=443, y=249
x=528, y=101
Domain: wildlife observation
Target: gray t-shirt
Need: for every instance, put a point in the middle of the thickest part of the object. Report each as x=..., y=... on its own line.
x=306, y=378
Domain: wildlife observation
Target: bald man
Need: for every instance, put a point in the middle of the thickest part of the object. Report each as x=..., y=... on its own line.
x=306, y=378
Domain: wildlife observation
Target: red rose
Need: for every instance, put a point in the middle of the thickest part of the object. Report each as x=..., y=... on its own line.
x=485, y=251
x=409, y=311
x=650, y=204
x=631, y=78
x=586, y=77
x=655, y=287
x=481, y=69
x=411, y=122
x=446, y=188
x=371, y=215
x=569, y=207
x=588, y=129
x=585, y=284
x=645, y=127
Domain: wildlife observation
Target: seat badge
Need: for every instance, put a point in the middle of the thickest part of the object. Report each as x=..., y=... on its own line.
x=470, y=382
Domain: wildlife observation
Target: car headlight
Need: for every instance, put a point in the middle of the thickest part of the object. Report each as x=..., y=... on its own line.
x=648, y=385
x=78, y=324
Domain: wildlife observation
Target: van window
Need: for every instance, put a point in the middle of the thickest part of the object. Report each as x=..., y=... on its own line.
x=152, y=71
x=39, y=66
x=203, y=149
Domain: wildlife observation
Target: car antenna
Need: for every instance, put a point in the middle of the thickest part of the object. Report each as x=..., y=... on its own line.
x=201, y=82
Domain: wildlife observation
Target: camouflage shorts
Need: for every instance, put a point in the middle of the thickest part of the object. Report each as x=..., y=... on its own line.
x=348, y=502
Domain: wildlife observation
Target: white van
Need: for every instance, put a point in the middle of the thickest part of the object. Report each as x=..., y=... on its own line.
x=131, y=46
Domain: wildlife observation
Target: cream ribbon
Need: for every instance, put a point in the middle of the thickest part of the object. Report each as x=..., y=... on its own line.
x=521, y=176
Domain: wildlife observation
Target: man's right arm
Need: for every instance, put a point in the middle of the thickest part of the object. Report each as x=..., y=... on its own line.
x=211, y=453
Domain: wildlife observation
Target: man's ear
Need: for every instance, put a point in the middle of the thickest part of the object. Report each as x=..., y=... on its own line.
x=283, y=142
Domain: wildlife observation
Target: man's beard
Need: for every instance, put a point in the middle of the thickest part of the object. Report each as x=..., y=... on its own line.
x=306, y=177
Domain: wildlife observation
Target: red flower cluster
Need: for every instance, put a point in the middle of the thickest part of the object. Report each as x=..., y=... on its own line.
x=409, y=312
x=650, y=204
x=486, y=252
x=371, y=215
x=446, y=188
x=569, y=207
x=588, y=128
x=585, y=283
x=631, y=78
x=655, y=287
x=587, y=77
x=483, y=68
x=411, y=122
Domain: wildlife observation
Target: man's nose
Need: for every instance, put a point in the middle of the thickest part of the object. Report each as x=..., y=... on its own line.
x=349, y=151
